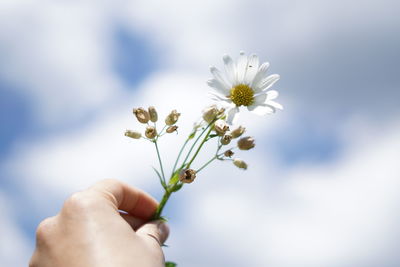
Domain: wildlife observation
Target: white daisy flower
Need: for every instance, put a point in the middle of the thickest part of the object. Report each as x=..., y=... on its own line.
x=245, y=84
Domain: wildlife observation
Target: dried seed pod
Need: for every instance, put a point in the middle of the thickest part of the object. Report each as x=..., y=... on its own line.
x=187, y=176
x=226, y=139
x=153, y=114
x=229, y=153
x=238, y=132
x=240, y=164
x=246, y=143
x=210, y=113
x=172, y=118
x=221, y=127
x=150, y=132
x=133, y=134
x=141, y=115
x=171, y=129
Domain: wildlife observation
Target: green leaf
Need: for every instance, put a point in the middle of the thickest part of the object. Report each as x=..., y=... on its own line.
x=170, y=264
x=161, y=179
x=192, y=135
x=174, y=179
x=177, y=187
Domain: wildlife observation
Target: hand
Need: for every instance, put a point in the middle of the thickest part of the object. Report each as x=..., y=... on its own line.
x=91, y=231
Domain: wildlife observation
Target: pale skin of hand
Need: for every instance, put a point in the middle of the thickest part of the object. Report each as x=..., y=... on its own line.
x=90, y=230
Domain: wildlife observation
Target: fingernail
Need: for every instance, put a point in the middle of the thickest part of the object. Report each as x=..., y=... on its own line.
x=164, y=230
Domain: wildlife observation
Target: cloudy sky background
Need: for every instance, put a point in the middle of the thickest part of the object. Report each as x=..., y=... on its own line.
x=322, y=187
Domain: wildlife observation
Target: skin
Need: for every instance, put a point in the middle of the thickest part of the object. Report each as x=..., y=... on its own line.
x=91, y=230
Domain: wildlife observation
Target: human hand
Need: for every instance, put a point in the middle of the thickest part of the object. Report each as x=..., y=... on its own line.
x=90, y=230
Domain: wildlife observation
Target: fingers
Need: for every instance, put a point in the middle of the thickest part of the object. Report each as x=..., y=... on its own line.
x=155, y=232
x=134, y=222
x=126, y=198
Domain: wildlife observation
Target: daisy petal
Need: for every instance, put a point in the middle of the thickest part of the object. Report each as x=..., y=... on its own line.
x=261, y=109
x=220, y=88
x=273, y=104
x=251, y=69
x=232, y=115
x=260, y=99
x=262, y=70
x=266, y=83
x=230, y=69
x=272, y=94
x=218, y=97
x=219, y=77
x=241, y=68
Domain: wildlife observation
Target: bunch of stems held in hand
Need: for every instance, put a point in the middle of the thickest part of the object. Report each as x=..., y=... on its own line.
x=212, y=126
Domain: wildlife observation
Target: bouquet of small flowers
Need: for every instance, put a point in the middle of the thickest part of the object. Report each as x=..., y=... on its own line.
x=245, y=84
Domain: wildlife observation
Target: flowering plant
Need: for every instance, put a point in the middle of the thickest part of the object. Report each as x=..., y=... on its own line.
x=245, y=84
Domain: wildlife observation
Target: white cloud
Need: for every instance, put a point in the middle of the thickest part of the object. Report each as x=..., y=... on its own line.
x=343, y=213
x=14, y=248
x=338, y=214
x=59, y=54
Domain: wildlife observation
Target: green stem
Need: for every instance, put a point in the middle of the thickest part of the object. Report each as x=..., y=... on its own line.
x=208, y=162
x=198, y=149
x=159, y=160
x=195, y=142
x=179, y=155
x=160, y=207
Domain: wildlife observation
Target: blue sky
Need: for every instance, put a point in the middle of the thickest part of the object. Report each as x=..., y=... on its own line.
x=70, y=73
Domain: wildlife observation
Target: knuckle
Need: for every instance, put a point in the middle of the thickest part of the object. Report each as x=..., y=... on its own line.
x=44, y=229
x=80, y=202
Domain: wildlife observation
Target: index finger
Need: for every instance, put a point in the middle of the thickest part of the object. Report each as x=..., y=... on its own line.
x=124, y=197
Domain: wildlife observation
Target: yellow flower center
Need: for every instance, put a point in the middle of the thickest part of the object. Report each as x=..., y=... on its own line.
x=242, y=95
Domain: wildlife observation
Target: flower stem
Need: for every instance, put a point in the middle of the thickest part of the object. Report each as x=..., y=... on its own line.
x=195, y=142
x=160, y=207
x=159, y=160
x=179, y=155
x=198, y=149
x=208, y=162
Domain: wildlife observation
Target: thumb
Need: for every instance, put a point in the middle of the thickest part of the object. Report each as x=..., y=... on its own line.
x=155, y=232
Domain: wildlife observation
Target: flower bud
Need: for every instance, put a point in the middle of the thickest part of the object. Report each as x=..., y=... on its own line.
x=141, y=115
x=187, y=176
x=150, y=132
x=172, y=118
x=229, y=153
x=226, y=139
x=171, y=129
x=210, y=113
x=133, y=134
x=153, y=114
x=240, y=164
x=221, y=127
x=238, y=132
x=246, y=143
